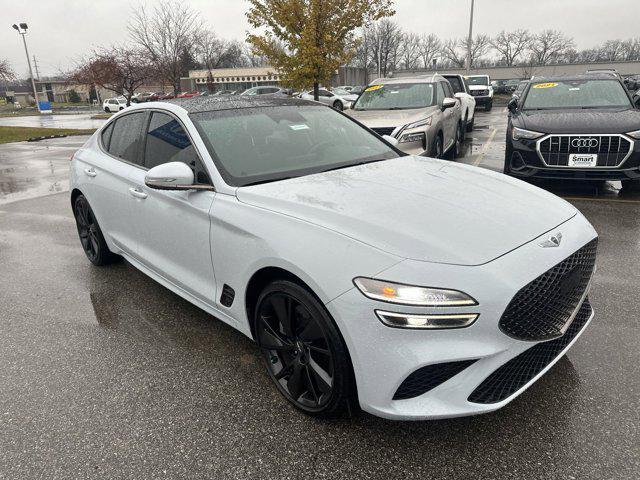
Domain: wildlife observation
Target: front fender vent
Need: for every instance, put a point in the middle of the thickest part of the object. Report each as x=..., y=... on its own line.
x=227, y=296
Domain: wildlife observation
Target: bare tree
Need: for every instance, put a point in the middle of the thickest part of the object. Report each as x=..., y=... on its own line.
x=6, y=72
x=480, y=46
x=510, y=45
x=410, y=51
x=166, y=32
x=118, y=69
x=451, y=51
x=430, y=47
x=631, y=49
x=548, y=45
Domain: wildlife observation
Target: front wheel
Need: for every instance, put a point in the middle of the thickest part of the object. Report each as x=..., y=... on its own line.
x=338, y=105
x=488, y=106
x=303, y=351
x=91, y=237
x=470, y=124
x=106, y=109
x=436, y=148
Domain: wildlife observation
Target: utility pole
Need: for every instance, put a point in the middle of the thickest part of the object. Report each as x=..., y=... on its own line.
x=35, y=65
x=470, y=39
x=22, y=30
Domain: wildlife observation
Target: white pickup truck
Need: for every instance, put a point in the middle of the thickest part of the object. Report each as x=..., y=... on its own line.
x=481, y=89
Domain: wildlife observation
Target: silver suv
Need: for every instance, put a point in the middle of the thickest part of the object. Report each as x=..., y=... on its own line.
x=421, y=113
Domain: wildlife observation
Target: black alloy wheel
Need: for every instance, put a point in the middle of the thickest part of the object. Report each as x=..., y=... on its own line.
x=303, y=352
x=91, y=238
x=456, y=148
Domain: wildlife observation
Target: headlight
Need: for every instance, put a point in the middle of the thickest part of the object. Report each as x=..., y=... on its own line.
x=635, y=134
x=520, y=133
x=412, y=295
x=412, y=137
x=420, y=123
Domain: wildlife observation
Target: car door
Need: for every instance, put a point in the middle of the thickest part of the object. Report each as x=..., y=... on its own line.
x=173, y=226
x=325, y=96
x=108, y=173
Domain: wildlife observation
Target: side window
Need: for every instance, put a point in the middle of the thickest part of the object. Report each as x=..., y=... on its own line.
x=106, y=135
x=439, y=94
x=323, y=93
x=456, y=85
x=126, y=137
x=447, y=90
x=168, y=142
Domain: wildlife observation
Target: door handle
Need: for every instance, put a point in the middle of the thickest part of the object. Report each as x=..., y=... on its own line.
x=138, y=193
x=90, y=172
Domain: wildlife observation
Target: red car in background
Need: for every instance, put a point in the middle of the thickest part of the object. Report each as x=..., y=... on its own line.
x=187, y=94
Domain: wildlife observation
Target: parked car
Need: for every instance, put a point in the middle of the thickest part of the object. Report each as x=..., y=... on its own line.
x=187, y=94
x=345, y=94
x=511, y=85
x=519, y=89
x=114, y=104
x=481, y=89
x=421, y=114
x=262, y=91
x=167, y=96
x=223, y=92
x=141, y=97
x=348, y=88
x=499, y=86
x=574, y=128
x=412, y=287
x=154, y=97
x=632, y=82
x=328, y=97
x=468, y=102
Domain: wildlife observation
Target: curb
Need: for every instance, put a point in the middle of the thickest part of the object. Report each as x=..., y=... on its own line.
x=37, y=139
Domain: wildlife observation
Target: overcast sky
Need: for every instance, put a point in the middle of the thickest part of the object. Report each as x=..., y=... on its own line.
x=62, y=30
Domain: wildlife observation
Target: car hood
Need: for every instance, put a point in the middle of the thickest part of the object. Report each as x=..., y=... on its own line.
x=419, y=208
x=390, y=118
x=581, y=121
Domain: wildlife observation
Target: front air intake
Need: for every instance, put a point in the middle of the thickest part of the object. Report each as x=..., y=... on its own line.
x=429, y=377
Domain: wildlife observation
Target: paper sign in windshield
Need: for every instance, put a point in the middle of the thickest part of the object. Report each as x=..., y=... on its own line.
x=373, y=88
x=545, y=85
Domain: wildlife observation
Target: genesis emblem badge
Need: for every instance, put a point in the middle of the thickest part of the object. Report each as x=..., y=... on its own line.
x=552, y=241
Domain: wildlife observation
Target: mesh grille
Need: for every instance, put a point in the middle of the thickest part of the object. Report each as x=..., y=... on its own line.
x=383, y=130
x=429, y=377
x=541, y=309
x=518, y=371
x=611, y=149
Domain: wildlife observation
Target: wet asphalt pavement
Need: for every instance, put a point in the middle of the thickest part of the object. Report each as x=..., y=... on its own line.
x=72, y=120
x=106, y=374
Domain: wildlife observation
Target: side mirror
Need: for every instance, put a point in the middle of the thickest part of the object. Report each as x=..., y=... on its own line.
x=513, y=105
x=392, y=140
x=449, y=103
x=172, y=176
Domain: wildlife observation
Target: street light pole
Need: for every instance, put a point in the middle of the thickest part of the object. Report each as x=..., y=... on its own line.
x=469, y=40
x=22, y=30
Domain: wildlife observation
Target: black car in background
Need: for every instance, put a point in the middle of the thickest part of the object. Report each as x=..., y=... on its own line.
x=584, y=127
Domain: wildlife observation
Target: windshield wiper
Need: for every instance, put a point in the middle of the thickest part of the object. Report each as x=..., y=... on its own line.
x=340, y=167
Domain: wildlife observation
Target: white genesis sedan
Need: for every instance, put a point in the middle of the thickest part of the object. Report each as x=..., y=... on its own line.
x=415, y=288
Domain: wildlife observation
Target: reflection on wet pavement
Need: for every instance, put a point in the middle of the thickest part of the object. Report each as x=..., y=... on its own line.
x=32, y=169
x=54, y=121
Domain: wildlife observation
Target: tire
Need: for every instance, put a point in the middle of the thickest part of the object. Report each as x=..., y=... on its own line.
x=506, y=169
x=91, y=238
x=309, y=362
x=106, y=109
x=470, y=125
x=436, y=148
x=338, y=105
x=121, y=108
x=488, y=106
x=456, y=149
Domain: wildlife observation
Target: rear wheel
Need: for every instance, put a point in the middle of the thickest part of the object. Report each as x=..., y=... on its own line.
x=303, y=351
x=106, y=109
x=91, y=238
x=338, y=105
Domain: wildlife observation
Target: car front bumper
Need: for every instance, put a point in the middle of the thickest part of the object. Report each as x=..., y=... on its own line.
x=384, y=357
x=525, y=162
x=483, y=99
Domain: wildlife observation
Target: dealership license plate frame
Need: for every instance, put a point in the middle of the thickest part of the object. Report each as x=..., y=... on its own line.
x=583, y=160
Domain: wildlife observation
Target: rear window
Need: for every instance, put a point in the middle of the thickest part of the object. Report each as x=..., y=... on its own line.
x=126, y=137
x=576, y=94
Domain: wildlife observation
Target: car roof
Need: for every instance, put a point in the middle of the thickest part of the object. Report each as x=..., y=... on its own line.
x=210, y=103
x=417, y=79
x=583, y=76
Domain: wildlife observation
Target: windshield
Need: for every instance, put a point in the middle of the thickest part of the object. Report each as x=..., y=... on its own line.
x=396, y=96
x=256, y=145
x=478, y=80
x=576, y=94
